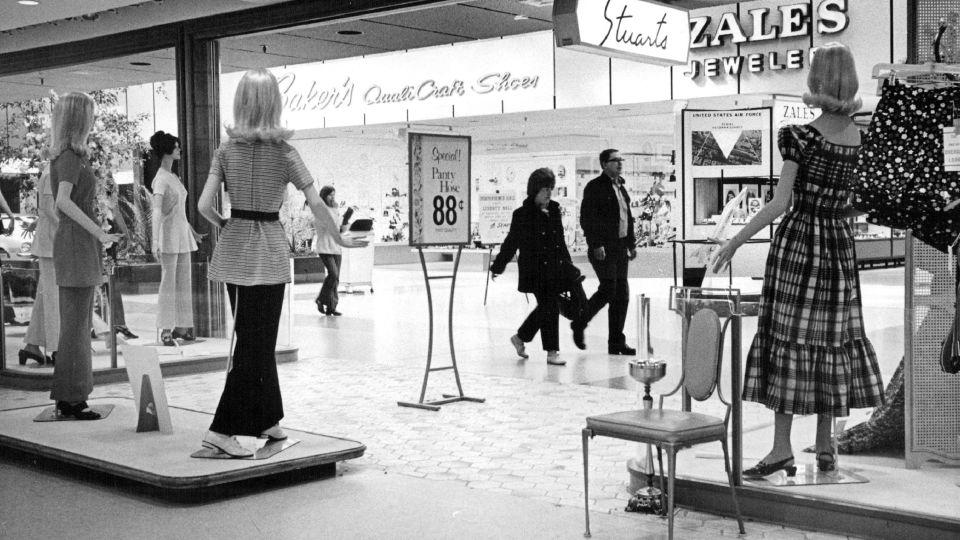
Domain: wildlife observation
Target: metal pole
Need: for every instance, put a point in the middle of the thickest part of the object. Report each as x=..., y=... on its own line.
x=453, y=354
x=736, y=399
x=487, y=286
x=426, y=279
x=108, y=308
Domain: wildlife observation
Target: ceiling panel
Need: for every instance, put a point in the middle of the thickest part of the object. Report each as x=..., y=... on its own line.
x=378, y=34
x=17, y=16
x=470, y=21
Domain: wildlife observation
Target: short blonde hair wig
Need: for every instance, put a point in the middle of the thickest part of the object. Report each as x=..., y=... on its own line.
x=256, y=108
x=72, y=122
x=833, y=80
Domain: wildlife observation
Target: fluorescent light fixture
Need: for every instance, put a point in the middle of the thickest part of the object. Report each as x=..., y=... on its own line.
x=28, y=2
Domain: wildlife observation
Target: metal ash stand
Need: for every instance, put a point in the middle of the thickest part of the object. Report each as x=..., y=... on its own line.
x=646, y=499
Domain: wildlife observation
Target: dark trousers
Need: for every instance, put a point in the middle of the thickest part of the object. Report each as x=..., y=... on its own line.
x=614, y=290
x=328, y=292
x=251, y=400
x=544, y=318
x=73, y=374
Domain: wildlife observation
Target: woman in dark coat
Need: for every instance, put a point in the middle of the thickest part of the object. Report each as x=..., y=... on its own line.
x=537, y=232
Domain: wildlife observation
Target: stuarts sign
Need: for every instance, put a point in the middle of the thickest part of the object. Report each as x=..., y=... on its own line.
x=796, y=20
x=650, y=32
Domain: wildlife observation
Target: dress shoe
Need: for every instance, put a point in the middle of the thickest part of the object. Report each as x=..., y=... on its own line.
x=166, y=338
x=24, y=355
x=519, y=346
x=122, y=329
x=578, y=338
x=333, y=312
x=826, y=462
x=227, y=444
x=186, y=336
x=766, y=469
x=622, y=349
x=274, y=434
x=553, y=358
x=80, y=411
x=321, y=307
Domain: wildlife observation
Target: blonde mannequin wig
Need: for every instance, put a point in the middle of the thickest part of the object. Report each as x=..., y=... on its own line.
x=72, y=122
x=833, y=81
x=256, y=108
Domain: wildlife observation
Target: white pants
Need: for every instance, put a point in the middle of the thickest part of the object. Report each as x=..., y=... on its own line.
x=44, y=329
x=176, y=309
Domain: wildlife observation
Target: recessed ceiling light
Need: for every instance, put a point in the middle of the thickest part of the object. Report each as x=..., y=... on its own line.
x=349, y=32
x=28, y=2
x=140, y=63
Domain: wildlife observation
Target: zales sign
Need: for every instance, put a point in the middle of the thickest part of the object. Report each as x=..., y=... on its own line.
x=796, y=21
x=649, y=32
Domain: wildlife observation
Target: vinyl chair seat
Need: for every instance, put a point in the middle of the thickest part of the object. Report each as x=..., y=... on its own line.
x=669, y=426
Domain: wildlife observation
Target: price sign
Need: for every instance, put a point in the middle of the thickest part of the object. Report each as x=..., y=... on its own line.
x=496, y=212
x=951, y=149
x=439, y=189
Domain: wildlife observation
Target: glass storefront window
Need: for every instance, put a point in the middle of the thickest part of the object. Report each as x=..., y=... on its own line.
x=136, y=96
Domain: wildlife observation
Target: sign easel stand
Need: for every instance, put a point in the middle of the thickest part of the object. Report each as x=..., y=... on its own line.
x=447, y=398
x=489, y=261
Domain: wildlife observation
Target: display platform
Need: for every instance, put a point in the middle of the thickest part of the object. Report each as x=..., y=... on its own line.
x=160, y=463
x=200, y=356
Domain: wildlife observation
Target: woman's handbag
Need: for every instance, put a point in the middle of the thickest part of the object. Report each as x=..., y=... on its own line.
x=949, y=351
x=572, y=298
x=950, y=348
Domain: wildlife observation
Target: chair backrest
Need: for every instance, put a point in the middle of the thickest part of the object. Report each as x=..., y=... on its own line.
x=702, y=354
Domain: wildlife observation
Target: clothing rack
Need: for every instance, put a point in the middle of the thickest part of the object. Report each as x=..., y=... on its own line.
x=932, y=71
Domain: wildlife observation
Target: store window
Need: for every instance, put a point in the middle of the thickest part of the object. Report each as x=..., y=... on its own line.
x=136, y=97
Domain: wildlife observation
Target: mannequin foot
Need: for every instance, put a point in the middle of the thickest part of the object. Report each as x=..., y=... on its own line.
x=224, y=443
x=27, y=354
x=122, y=329
x=186, y=335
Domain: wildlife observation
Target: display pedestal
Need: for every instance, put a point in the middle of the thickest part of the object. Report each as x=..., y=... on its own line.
x=157, y=462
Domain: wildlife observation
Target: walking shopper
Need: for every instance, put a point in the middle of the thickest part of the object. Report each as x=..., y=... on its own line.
x=811, y=354
x=252, y=258
x=536, y=231
x=611, y=243
x=330, y=254
x=173, y=240
x=76, y=252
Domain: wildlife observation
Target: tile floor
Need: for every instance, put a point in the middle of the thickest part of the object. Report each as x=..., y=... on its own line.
x=524, y=441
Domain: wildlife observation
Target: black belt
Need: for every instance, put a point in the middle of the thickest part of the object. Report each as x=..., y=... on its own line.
x=254, y=216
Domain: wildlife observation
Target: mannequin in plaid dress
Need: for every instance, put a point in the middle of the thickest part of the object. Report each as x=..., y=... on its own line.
x=811, y=354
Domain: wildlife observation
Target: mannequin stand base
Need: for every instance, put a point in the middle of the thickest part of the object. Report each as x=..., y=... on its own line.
x=435, y=405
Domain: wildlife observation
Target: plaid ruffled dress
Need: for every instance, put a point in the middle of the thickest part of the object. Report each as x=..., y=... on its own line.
x=811, y=354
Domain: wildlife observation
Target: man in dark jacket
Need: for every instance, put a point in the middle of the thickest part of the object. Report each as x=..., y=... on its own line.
x=608, y=226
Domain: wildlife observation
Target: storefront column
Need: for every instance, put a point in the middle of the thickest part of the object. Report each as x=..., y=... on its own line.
x=198, y=100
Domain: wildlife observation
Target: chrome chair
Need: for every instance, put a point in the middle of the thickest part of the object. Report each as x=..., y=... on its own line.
x=672, y=430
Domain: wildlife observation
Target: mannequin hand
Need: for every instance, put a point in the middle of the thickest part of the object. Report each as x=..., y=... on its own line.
x=722, y=257
x=599, y=253
x=350, y=242
x=198, y=237
x=108, y=238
